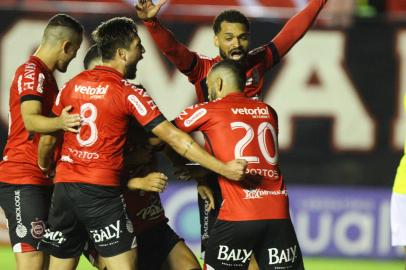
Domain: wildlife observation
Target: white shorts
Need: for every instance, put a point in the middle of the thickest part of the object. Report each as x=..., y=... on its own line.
x=398, y=219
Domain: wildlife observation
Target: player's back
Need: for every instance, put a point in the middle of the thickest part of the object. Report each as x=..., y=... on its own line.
x=101, y=96
x=238, y=127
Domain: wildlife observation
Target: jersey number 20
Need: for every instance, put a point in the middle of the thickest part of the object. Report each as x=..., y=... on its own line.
x=249, y=136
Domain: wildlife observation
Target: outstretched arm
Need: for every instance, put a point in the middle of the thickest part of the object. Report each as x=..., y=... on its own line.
x=296, y=27
x=186, y=146
x=176, y=52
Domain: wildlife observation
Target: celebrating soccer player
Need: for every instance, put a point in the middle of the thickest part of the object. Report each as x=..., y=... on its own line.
x=24, y=189
x=87, y=199
x=231, y=36
x=158, y=246
x=254, y=216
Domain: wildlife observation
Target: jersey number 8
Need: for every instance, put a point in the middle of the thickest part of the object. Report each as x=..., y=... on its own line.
x=88, y=120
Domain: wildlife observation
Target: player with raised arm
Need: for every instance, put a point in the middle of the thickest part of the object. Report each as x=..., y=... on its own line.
x=254, y=214
x=231, y=36
x=87, y=198
x=24, y=189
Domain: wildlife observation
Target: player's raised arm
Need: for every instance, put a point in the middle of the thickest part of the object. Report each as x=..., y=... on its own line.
x=187, y=147
x=296, y=27
x=176, y=52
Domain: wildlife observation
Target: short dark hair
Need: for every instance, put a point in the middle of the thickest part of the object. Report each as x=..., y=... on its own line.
x=91, y=54
x=65, y=21
x=236, y=68
x=115, y=33
x=232, y=16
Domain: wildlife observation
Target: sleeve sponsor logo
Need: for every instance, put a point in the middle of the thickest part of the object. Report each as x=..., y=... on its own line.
x=195, y=116
x=19, y=84
x=137, y=105
x=29, y=76
x=40, y=85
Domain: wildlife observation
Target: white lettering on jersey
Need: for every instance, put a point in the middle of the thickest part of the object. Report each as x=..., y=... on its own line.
x=256, y=113
x=29, y=73
x=195, y=116
x=88, y=90
x=137, y=105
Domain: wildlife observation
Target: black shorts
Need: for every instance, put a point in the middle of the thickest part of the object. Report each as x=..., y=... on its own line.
x=153, y=247
x=207, y=219
x=26, y=208
x=81, y=211
x=273, y=243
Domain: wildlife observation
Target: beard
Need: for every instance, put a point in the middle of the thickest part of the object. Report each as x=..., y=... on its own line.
x=231, y=55
x=131, y=70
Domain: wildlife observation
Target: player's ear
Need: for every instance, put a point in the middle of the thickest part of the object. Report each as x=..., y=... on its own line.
x=122, y=54
x=216, y=41
x=66, y=45
x=219, y=84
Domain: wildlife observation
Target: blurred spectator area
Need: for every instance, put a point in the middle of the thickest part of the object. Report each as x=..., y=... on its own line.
x=336, y=13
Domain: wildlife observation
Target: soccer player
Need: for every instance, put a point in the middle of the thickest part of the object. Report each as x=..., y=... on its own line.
x=24, y=188
x=254, y=214
x=231, y=36
x=87, y=199
x=398, y=204
x=158, y=246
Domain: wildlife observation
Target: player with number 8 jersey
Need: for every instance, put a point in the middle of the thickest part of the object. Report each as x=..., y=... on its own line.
x=94, y=155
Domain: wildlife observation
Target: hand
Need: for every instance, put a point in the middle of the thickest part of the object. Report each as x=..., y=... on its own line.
x=235, y=170
x=146, y=10
x=69, y=122
x=155, y=182
x=206, y=194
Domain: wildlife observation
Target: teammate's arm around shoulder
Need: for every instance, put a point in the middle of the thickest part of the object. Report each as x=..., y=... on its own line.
x=182, y=143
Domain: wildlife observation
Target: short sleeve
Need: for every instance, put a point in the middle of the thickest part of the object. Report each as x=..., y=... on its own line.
x=200, y=67
x=30, y=82
x=140, y=105
x=192, y=118
x=266, y=54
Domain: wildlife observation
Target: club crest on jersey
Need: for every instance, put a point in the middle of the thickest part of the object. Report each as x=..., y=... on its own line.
x=37, y=229
x=195, y=116
x=137, y=105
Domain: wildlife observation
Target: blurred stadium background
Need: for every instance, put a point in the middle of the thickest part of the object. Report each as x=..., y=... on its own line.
x=339, y=95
